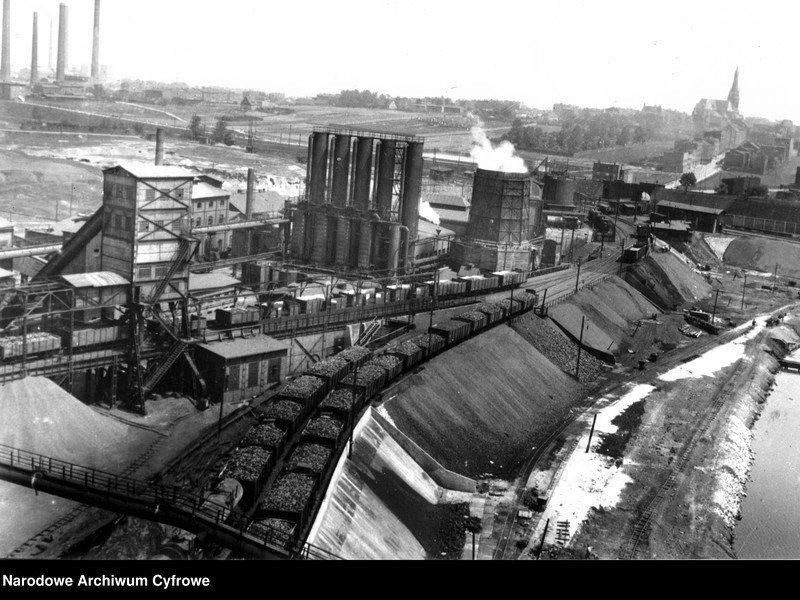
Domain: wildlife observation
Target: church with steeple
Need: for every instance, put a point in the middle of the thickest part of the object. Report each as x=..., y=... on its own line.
x=721, y=118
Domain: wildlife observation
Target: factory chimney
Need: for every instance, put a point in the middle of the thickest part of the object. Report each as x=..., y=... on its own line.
x=5, y=61
x=96, y=45
x=61, y=57
x=35, y=51
x=251, y=189
x=159, y=146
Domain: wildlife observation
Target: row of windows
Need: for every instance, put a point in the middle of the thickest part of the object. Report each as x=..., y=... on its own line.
x=151, y=272
x=198, y=222
x=175, y=226
x=178, y=194
x=199, y=205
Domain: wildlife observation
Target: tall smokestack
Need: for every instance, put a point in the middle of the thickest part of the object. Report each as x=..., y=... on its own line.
x=5, y=61
x=35, y=51
x=96, y=44
x=251, y=190
x=159, y=146
x=61, y=58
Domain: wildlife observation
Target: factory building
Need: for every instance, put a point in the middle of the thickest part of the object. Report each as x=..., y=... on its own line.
x=502, y=222
x=361, y=208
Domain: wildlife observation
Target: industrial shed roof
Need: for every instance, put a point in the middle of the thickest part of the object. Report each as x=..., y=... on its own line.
x=202, y=190
x=240, y=348
x=692, y=207
x=448, y=200
x=97, y=280
x=211, y=281
x=148, y=171
x=457, y=216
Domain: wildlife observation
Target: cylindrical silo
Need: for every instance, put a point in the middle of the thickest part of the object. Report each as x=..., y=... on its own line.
x=341, y=170
x=559, y=191
x=318, y=169
x=320, y=247
x=298, y=234
x=342, y=240
x=500, y=210
x=412, y=189
x=393, y=258
x=365, y=244
x=385, y=176
x=363, y=173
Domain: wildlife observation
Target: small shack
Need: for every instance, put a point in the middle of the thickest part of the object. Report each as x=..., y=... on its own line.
x=241, y=368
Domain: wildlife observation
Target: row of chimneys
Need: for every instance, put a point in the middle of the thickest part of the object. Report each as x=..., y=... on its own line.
x=61, y=61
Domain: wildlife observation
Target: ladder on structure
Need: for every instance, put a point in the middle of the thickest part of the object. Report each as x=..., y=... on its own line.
x=370, y=330
x=164, y=365
x=184, y=249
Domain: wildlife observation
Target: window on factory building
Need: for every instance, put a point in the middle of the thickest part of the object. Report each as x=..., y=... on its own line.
x=274, y=373
x=232, y=378
x=144, y=273
x=144, y=226
x=198, y=222
x=161, y=271
x=118, y=222
x=221, y=219
x=178, y=194
x=252, y=375
x=210, y=220
x=210, y=204
x=199, y=205
x=149, y=194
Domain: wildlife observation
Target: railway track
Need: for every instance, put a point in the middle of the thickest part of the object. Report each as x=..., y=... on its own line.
x=641, y=525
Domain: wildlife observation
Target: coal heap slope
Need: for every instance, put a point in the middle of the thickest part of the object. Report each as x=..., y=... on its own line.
x=760, y=254
x=38, y=416
x=608, y=310
x=668, y=280
x=480, y=407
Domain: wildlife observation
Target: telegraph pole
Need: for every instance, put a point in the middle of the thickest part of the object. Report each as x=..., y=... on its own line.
x=744, y=286
x=715, y=306
x=577, y=279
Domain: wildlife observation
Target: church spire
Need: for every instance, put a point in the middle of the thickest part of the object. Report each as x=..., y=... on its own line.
x=733, y=95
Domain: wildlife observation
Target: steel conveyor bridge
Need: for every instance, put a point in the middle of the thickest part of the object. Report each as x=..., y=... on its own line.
x=165, y=504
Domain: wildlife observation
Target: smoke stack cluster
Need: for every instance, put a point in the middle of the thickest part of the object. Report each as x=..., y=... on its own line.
x=61, y=58
x=159, y=146
x=35, y=51
x=96, y=44
x=5, y=60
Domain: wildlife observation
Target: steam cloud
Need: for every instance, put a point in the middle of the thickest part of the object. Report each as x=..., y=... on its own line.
x=427, y=213
x=500, y=158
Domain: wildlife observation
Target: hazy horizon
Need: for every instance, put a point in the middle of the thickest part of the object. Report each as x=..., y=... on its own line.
x=620, y=53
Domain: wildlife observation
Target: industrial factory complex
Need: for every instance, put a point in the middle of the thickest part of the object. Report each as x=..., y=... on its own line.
x=285, y=323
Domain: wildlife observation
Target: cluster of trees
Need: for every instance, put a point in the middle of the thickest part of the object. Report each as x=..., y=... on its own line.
x=592, y=129
x=361, y=99
x=219, y=135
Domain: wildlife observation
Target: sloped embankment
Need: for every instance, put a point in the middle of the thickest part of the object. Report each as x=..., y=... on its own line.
x=763, y=255
x=667, y=280
x=607, y=311
x=383, y=504
x=480, y=407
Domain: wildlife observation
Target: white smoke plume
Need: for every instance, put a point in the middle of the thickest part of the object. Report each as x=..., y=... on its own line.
x=499, y=158
x=427, y=213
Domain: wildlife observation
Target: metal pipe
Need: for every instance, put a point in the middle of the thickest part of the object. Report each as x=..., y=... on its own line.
x=96, y=45
x=61, y=57
x=35, y=51
x=5, y=61
x=159, y=146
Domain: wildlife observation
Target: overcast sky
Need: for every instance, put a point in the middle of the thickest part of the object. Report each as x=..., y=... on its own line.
x=623, y=53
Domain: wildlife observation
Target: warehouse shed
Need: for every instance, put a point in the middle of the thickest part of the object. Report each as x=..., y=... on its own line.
x=241, y=368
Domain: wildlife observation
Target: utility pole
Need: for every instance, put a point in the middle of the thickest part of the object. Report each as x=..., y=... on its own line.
x=744, y=286
x=580, y=345
x=774, y=278
x=714, y=312
x=577, y=279
x=591, y=431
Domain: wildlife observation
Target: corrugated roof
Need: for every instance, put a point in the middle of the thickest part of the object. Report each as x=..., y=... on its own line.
x=457, y=216
x=211, y=281
x=691, y=207
x=263, y=202
x=97, y=279
x=202, y=190
x=243, y=347
x=150, y=171
x=447, y=200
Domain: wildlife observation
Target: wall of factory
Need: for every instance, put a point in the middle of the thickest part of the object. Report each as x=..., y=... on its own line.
x=119, y=207
x=494, y=258
x=235, y=379
x=500, y=210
